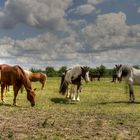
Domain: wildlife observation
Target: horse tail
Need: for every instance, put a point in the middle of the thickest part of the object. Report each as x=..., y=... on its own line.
x=63, y=85
x=43, y=79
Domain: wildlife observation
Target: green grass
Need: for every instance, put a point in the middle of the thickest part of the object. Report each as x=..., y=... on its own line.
x=103, y=113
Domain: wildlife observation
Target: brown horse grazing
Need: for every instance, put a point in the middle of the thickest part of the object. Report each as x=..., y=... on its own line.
x=15, y=75
x=38, y=76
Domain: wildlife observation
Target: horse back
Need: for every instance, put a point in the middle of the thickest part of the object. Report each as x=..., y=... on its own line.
x=37, y=77
x=10, y=75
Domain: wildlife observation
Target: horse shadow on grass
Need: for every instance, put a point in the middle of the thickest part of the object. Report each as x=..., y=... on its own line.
x=62, y=101
x=118, y=102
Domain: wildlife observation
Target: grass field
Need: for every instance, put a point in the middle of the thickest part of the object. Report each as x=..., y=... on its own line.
x=103, y=113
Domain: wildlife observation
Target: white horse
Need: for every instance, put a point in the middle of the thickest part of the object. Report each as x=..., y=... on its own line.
x=73, y=77
x=132, y=77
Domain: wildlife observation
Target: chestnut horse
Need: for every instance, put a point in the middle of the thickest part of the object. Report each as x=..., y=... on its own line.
x=38, y=76
x=15, y=75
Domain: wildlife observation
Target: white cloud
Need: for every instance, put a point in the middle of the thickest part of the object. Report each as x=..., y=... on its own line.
x=41, y=51
x=138, y=10
x=95, y=2
x=36, y=13
x=109, y=39
x=84, y=9
x=109, y=30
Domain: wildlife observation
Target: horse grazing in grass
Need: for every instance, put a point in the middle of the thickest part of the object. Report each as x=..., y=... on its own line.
x=73, y=77
x=115, y=78
x=132, y=77
x=114, y=75
x=38, y=76
x=15, y=75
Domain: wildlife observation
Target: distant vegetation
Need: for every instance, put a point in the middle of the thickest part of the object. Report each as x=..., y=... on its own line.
x=102, y=70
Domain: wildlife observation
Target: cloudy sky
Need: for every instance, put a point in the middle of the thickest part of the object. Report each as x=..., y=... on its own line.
x=41, y=33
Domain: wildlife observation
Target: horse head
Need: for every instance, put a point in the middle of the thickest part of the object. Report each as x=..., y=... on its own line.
x=123, y=71
x=31, y=97
x=119, y=71
x=85, y=73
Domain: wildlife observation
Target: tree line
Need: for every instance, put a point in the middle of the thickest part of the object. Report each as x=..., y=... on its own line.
x=52, y=72
x=102, y=70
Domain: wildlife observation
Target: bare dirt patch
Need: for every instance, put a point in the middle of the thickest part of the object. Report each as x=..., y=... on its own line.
x=62, y=124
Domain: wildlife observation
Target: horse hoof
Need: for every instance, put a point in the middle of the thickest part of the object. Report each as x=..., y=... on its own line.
x=3, y=102
x=131, y=101
x=15, y=104
x=67, y=97
x=73, y=99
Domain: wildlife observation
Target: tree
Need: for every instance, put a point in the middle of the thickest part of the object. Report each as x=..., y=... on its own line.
x=35, y=70
x=62, y=70
x=50, y=71
x=137, y=66
x=101, y=70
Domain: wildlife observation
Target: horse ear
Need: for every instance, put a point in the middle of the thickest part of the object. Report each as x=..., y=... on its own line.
x=118, y=66
x=86, y=67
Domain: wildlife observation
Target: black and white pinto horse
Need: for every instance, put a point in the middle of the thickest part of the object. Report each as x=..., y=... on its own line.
x=72, y=77
x=132, y=77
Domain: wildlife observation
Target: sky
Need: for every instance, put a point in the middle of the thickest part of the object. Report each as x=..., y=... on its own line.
x=41, y=33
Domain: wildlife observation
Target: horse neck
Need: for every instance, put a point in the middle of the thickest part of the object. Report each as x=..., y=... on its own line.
x=129, y=75
x=25, y=80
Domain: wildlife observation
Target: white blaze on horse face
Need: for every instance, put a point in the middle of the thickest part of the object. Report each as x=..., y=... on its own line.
x=87, y=77
x=119, y=73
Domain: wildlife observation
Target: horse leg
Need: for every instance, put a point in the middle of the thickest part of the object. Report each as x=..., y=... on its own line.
x=79, y=88
x=2, y=91
x=72, y=92
x=16, y=89
x=131, y=93
x=42, y=82
x=68, y=93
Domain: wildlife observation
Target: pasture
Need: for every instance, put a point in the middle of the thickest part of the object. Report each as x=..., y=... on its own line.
x=103, y=113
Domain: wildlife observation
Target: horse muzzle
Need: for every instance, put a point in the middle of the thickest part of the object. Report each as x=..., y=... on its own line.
x=32, y=105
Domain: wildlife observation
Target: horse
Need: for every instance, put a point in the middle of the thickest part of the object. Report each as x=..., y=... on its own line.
x=132, y=77
x=15, y=75
x=93, y=76
x=115, y=78
x=73, y=77
x=114, y=75
x=38, y=76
